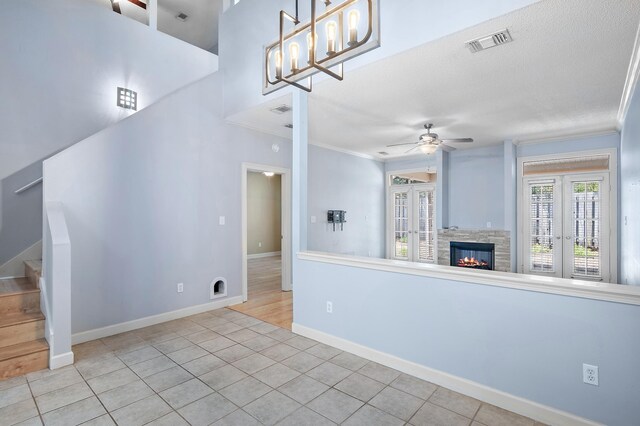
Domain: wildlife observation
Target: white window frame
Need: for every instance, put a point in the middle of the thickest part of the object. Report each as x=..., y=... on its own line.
x=613, y=201
x=389, y=234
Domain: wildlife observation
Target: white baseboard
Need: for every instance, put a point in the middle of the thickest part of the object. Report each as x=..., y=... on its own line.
x=263, y=255
x=14, y=268
x=522, y=406
x=59, y=361
x=123, y=327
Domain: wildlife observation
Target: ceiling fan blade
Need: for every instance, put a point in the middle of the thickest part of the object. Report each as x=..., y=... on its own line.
x=402, y=144
x=412, y=149
x=138, y=3
x=461, y=140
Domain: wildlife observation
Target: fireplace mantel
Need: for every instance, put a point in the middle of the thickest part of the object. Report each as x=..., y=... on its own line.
x=500, y=238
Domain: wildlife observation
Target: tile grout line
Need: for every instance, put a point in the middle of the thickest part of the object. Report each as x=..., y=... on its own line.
x=34, y=399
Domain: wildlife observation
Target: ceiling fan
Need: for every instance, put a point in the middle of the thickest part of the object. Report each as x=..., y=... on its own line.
x=115, y=4
x=429, y=142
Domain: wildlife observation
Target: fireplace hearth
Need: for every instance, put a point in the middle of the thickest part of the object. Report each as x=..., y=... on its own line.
x=472, y=255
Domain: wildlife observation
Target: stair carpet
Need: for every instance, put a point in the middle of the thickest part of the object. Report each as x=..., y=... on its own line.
x=23, y=348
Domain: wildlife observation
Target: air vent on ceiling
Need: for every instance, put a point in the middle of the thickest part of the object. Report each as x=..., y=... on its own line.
x=289, y=126
x=487, y=42
x=281, y=109
x=182, y=16
x=383, y=153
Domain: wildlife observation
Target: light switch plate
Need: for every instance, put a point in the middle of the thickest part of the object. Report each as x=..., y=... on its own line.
x=223, y=220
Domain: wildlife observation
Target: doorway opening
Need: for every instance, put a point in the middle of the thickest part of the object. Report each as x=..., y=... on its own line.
x=266, y=244
x=411, y=216
x=567, y=216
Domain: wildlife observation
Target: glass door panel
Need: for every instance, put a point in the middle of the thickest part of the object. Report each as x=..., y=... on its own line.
x=424, y=228
x=585, y=245
x=543, y=250
x=401, y=225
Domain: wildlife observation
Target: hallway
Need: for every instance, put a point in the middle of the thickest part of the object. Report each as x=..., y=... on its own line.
x=267, y=301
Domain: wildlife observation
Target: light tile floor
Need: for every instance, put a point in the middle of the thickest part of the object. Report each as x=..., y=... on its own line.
x=225, y=368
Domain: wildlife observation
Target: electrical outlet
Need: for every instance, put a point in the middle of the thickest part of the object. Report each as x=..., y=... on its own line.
x=260, y=244
x=222, y=220
x=329, y=307
x=590, y=374
x=488, y=224
x=180, y=287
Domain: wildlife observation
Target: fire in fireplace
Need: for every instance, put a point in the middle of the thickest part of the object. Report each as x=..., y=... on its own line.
x=472, y=255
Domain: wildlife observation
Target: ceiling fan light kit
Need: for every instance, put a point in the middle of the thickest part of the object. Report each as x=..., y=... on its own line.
x=343, y=31
x=430, y=142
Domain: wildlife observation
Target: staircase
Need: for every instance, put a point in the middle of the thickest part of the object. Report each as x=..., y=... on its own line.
x=23, y=348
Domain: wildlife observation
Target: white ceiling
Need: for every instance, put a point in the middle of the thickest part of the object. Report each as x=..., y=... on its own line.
x=200, y=28
x=563, y=74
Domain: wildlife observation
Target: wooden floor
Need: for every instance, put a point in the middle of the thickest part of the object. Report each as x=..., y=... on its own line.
x=267, y=301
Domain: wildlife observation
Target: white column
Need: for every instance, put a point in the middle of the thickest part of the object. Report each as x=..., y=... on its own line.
x=299, y=177
x=152, y=10
x=442, y=189
x=510, y=197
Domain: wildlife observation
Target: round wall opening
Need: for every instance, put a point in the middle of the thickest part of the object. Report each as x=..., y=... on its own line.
x=218, y=288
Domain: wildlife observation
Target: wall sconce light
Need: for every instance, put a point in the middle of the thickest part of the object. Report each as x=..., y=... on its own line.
x=336, y=30
x=127, y=99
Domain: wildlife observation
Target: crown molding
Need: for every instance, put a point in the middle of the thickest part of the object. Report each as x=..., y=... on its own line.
x=633, y=75
x=570, y=136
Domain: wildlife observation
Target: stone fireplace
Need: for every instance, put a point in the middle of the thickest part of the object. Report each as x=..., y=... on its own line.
x=501, y=241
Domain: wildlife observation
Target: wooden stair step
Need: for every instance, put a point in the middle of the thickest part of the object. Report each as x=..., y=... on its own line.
x=23, y=358
x=12, y=286
x=18, y=295
x=21, y=327
x=20, y=318
x=33, y=271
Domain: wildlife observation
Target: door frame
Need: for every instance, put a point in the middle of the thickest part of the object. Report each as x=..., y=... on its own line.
x=389, y=231
x=613, y=201
x=285, y=227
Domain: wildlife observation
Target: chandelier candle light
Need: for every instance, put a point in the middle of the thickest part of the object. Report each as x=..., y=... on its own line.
x=283, y=64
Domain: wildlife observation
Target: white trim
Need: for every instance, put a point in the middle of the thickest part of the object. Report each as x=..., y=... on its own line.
x=566, y=287
x=263, y=255
x=633, y=75
x=522, y=406
x=567, y=137
x=286, y=227
x=99, y=333
x=62, y=360
x=613, y=201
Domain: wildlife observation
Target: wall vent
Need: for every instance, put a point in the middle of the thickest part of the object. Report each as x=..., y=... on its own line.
x=281, y=109
x=182, y=16
x=487, y=42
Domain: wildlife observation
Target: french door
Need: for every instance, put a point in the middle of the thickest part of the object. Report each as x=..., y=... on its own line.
x=412, y=228
x=566, y=226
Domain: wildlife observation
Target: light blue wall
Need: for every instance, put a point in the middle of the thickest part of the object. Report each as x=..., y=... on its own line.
x=476, y=188
x=63, y=61
x=527, y=344
x=588, y=143
x=630, y=194
x=339, y=181
x=142, y=201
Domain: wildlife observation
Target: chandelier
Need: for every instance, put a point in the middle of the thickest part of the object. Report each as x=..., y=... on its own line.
x=342, y=32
